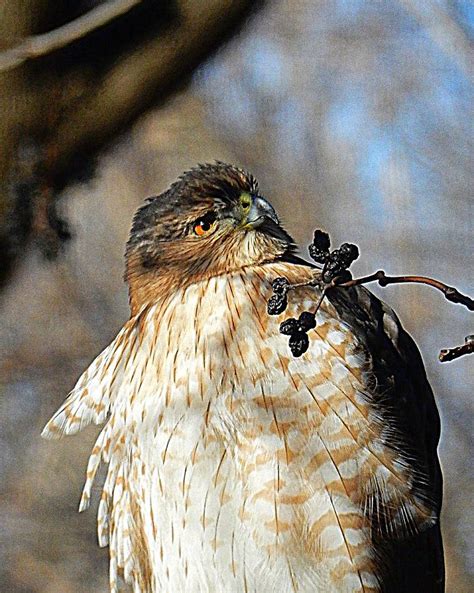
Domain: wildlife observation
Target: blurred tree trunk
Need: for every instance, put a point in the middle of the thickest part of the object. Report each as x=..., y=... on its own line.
x=60, y=109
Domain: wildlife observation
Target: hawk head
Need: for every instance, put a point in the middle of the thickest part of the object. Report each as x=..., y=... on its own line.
x=211, y=221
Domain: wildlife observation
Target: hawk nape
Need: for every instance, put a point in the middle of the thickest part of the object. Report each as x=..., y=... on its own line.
x=232, y=466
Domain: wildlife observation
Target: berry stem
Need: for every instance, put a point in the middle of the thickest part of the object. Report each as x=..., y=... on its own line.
x=335, y=273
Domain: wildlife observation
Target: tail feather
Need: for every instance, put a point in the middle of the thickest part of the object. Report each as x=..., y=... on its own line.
x=92, y=467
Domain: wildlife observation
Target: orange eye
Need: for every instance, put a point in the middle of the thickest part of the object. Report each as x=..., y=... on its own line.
x=205, y=224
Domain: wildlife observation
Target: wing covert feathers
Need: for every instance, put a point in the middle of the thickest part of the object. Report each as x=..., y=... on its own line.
x=90, y=400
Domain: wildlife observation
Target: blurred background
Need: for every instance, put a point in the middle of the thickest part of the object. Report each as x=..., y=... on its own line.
x=355, y=116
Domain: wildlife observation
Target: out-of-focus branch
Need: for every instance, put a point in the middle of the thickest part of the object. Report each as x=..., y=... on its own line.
x=98, y=73
x=444, y=31
x=40, y=45
x=149, y=73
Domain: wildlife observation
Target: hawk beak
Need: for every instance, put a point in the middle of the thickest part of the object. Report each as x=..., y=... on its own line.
x=263, y=218
x=260, y=211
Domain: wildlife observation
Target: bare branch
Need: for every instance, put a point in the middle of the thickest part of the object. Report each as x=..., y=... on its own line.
x=40, y=45
x=450, y=293
x=448, y=354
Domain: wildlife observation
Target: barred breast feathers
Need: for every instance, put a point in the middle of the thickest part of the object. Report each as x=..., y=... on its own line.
x=318, y=417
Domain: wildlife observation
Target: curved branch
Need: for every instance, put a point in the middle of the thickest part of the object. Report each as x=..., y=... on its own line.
x=450, y=293
x=40, y=45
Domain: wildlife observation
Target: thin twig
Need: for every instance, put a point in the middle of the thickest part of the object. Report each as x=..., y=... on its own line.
x=450, y=293
x=320, y=300
x=448, y=354
x=40, y=45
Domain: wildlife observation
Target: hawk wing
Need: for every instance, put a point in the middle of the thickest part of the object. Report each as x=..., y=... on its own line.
x=414, y=562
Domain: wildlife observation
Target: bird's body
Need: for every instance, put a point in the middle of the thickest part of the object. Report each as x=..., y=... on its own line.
x=235, y=467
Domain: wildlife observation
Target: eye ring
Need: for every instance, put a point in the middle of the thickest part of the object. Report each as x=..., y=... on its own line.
x=205, y=224
x=245, y=202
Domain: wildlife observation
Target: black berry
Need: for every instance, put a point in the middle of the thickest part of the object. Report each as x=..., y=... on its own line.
x=318, y=255
x=351, y=249
x=299, y=343
x=332, y=266
x=280, y=285
x=319, y=248
x=348, y=253
x=289, y=327
x=321, y=240
x=306, y=321
x=277, y=304
x=335, y=270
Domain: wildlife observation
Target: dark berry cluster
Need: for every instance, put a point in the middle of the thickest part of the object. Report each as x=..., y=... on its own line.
x=297, y=329
x=335, y=263
x=279, y=299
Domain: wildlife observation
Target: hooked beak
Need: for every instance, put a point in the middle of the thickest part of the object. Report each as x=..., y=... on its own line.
x=263, y=218
x=260, y=212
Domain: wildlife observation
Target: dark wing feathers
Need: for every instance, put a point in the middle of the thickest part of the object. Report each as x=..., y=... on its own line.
x=414, y=564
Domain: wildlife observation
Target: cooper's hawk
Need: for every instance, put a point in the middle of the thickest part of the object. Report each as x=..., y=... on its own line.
x=232, y=465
